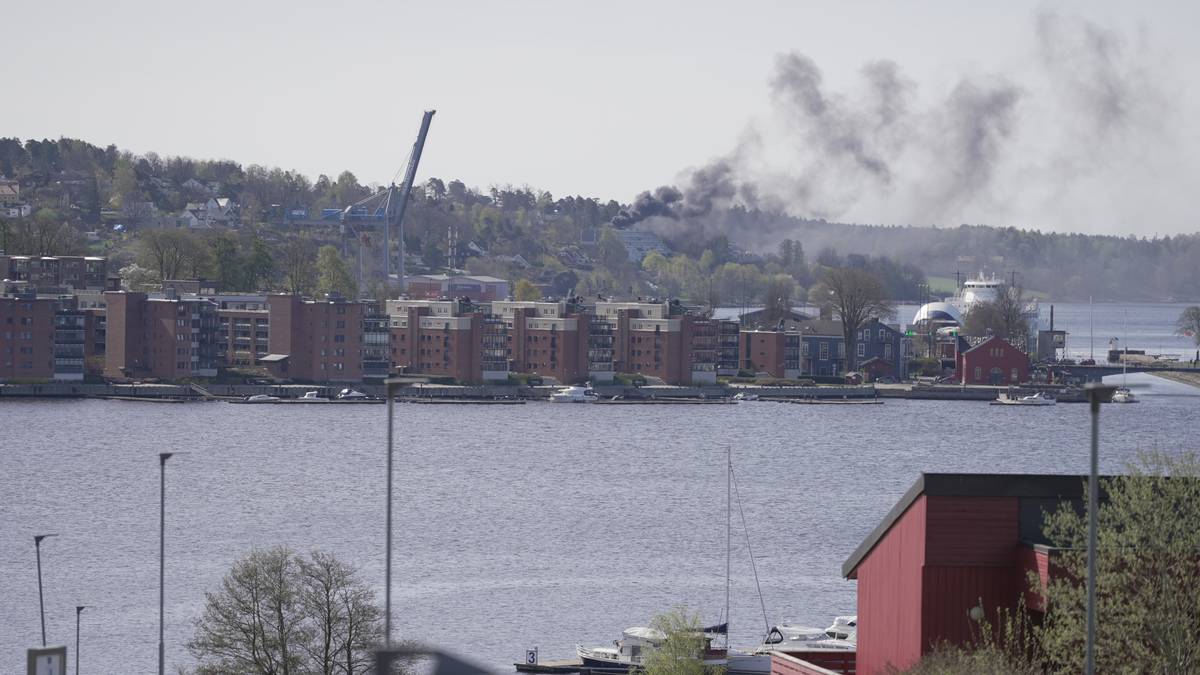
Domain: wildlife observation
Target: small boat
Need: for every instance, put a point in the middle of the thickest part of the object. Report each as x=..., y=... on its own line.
x=573, y=394
x=351, y=395
x=1039, y=398
x=636, y=643
x=743, y=396
x=841, y=636
x=312, y=397
x=1123, y=395
x=261, y=398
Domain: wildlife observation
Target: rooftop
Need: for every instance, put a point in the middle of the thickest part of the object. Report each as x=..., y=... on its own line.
x=1053, y=486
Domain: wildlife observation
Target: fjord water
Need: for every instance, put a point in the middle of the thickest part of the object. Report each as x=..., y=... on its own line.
x=516, y=526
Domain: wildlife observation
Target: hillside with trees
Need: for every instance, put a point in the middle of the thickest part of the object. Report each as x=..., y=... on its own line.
x=134, y=209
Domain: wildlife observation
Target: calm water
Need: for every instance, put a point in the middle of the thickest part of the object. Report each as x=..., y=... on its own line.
x=540, y=525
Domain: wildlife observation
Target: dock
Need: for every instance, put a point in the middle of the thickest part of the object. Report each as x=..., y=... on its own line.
x=449, y=401
x=665, y=401
x=827, y=401
x=551, y=666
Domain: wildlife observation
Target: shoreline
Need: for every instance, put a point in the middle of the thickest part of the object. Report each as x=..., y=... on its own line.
x=1192, y=379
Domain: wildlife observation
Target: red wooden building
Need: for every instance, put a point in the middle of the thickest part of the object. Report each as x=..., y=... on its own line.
x=993, y=361
x=952, y=541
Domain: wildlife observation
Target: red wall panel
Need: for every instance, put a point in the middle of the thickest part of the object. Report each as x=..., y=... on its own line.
x=971, y=530
x=889, y=595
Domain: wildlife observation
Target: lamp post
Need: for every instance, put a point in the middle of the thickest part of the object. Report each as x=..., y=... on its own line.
x=78, y=610
x=387, y=584
x=162, y=521
x=37, y=545
x=1097, y=392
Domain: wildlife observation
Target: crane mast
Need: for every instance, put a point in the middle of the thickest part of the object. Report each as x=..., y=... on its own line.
x=400, y=203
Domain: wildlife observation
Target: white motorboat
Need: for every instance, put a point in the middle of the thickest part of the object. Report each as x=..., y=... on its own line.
x=636, y=643
x=573, y=394
x=841, y=636
x=261, y=398
x=743, y=396
x=1039, y=398
x=351, y=395
x=1123, y=395
x=312, y=397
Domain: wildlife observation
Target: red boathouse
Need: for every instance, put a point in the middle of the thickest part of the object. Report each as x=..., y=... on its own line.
x=993, y=361
x=951, y=541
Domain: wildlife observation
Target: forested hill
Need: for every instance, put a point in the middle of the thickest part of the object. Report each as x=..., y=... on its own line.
x=569, y=241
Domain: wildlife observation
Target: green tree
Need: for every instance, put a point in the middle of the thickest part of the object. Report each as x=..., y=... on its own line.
x=821, y=297
x=681, y=651
x=858, y=296
x=1188, y=324
x=611, y=252
x=173, y=254
x=227, y=263
x=526, y=291
x=261, y=267
x=777, y=299
x=1148, y=579
x=1004, y=316
x=278, y=613
x=333, y=274
x=299, y=273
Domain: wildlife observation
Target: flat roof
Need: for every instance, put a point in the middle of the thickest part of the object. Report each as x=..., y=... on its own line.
x=969, y=485
x=273, y=358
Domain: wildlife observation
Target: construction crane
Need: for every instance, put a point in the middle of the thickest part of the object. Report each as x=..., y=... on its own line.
x=395, y=201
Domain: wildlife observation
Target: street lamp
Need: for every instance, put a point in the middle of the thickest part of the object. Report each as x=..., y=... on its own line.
x=78, y=610
x=162, y=520
x=1096, y=393
x=37, y=545
x=387, y=586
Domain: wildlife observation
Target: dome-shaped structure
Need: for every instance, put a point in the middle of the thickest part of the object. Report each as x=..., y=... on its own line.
x=939, y=312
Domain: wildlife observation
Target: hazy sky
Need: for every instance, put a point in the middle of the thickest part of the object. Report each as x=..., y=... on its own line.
x=612, y=98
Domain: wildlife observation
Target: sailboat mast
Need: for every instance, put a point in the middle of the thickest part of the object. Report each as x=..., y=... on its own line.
x=728, y=533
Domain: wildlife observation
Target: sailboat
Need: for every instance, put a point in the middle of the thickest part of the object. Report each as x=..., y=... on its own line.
x=1123, y=393
x=629, y=653
x=841, y=636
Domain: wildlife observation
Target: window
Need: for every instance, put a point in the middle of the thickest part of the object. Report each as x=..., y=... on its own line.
x=978, y=373
x=824, y=350
x=862, y=350
x=887, y=351
x=339, y=338
x=1014, y=375
x=882, y=335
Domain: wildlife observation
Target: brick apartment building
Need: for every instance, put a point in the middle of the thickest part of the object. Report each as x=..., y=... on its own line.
x=46, y=272
x=316, y=340
x=546, y=338
x=243, y=325
x=26, y=337
x=169, y=338
x=448, y=338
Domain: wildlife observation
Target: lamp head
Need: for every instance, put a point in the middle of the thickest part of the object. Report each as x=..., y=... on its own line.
x=37, y=538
